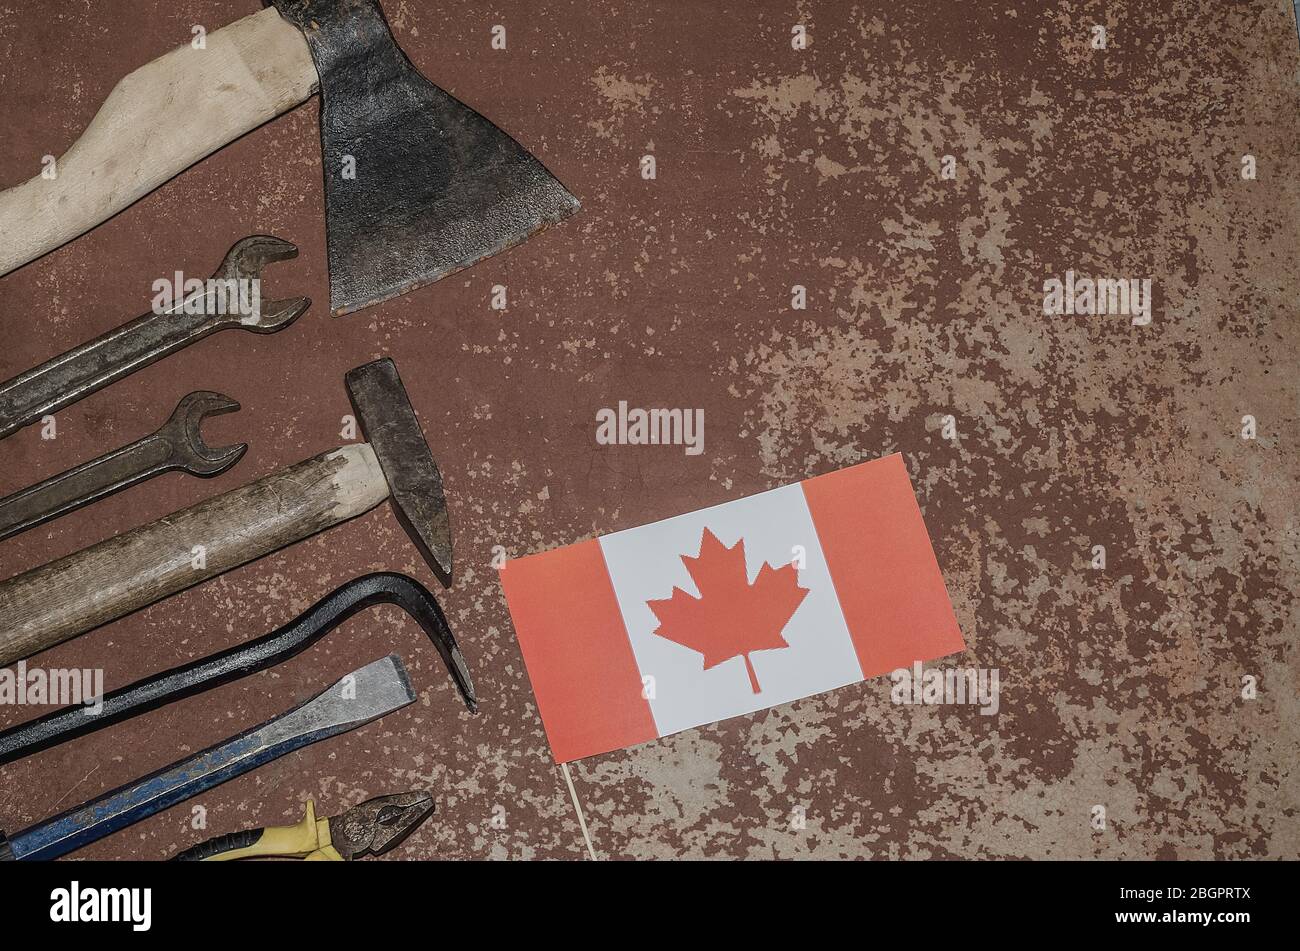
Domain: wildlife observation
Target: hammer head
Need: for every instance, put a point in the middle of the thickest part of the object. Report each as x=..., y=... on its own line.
x=417, y=184
x=388, y=421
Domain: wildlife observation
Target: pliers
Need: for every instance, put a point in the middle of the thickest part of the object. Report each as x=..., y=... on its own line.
x=371, y=828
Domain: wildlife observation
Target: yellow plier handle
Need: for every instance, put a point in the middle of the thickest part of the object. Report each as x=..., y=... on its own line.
x=309, y=840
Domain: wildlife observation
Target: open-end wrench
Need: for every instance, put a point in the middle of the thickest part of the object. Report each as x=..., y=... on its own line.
x=178, y=445
x=78, y=373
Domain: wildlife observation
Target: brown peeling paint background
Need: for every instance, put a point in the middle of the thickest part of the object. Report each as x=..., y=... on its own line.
x=775, y=167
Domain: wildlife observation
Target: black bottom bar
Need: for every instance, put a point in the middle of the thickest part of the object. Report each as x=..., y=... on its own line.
x=669, y=901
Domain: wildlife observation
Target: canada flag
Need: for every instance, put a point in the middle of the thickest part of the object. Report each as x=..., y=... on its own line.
x=730, y=609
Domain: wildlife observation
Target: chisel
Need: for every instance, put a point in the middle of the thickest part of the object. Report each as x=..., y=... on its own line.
x=363, y=695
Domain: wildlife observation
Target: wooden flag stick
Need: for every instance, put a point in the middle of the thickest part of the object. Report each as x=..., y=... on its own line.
x=582, y=820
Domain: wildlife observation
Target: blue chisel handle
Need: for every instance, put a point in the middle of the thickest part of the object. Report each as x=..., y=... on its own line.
x=141, y=799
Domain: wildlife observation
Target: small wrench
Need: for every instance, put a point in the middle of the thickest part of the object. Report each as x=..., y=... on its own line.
x=94, y=365
x=177, y=445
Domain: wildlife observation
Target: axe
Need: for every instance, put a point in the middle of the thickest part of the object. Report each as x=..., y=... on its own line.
x=417, y=184
x=58, y=601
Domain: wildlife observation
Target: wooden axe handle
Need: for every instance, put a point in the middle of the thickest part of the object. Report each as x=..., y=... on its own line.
x=158, y=121
x=50, y=604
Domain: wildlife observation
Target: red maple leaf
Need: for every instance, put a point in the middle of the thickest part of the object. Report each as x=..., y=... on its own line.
x=731, y=617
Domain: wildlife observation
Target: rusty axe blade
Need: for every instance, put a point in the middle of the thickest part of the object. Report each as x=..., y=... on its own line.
x=417, y=184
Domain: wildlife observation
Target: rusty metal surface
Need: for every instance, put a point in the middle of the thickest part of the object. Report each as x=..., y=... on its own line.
x=821, y=167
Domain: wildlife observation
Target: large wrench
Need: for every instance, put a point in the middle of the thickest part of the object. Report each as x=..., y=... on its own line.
x=177, y=445
x=92, y=366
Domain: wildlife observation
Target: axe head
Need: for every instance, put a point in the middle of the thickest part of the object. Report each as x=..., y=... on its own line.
x=388, y=421
x=417, y=184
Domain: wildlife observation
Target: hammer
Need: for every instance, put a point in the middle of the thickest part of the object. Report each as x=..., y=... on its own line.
x=58, y=601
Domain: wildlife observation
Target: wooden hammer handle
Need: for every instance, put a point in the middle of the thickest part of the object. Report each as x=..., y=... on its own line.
x=158, y=121
x=50, y=604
